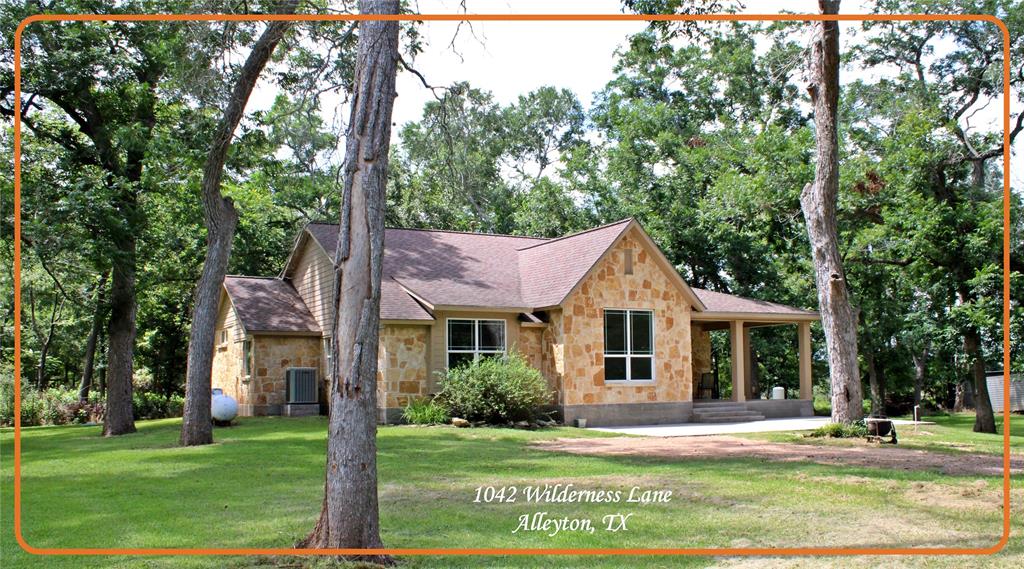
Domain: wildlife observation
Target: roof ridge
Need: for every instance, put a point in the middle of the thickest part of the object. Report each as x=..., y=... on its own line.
x=578, y=233
x=428, y=230
x=252, y=277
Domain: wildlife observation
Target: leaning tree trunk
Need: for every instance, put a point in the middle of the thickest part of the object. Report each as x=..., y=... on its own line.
x=220, y=218
x=89, y=359
x=818, y=201
x=117, y=419
x=349, y=516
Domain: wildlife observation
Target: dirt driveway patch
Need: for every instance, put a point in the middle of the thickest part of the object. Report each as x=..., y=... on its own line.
x=893, y=458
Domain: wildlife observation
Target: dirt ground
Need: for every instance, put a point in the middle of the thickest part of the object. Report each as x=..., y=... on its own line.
x=889, y=457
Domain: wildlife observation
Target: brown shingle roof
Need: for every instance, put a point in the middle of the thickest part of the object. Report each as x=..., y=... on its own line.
x=396, y=304
x=269, y=305
x=721, y=302
x=449, y=268
x=552, y=268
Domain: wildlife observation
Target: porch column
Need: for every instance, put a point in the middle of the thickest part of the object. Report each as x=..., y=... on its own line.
x=748, y=363
x=738, y=355
x=804, y=335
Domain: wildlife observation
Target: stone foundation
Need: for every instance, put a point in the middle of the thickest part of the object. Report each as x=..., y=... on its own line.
x=625, y=414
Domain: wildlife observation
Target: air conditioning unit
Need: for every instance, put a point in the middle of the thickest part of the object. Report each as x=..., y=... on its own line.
x=302, y=388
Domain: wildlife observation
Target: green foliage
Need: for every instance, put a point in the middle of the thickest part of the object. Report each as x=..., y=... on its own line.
x=57, y=406
x=148, y=405
x=425, y=411
x=840, y=431
x=496, y=390
x=471, y=164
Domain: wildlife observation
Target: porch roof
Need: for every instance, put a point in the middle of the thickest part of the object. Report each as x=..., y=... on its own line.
x=727, y=307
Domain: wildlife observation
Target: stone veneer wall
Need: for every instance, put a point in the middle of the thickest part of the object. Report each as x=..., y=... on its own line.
x=402, y=368
x=272, y=356
x=552, y=363
x=701, y=353
x=533, y=346
x=583, y=330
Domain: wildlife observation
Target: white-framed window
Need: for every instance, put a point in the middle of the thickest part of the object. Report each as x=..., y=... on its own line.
x=628, y=345
x=224, y=336
x=247, y=358
x=470, y=339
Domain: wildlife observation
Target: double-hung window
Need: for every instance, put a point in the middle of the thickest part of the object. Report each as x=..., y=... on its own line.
x=628, y=345
x=469, y=340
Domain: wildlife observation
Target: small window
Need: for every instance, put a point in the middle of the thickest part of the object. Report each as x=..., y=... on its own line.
x=327, y=357
x=628, y=262
x=628, y=345
x=247, y=358
x=469, y=340
x=224, y=336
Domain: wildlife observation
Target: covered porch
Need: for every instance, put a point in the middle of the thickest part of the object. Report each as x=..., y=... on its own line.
x=738, y=316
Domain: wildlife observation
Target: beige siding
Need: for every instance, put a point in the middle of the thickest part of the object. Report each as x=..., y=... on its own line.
x=313, y=278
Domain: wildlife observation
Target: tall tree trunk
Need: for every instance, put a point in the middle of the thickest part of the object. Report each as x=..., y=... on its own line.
x=920, y=373
x=984, y=418
x=877, y=400
x=220, y=218
x=818, y=201
x=349, y=516
x=89, y=359
x=118, y=419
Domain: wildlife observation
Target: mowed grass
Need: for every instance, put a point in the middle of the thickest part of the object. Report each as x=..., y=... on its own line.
x=261, y=486
x=951, y=434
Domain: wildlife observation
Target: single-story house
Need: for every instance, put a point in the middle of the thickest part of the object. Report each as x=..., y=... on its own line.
x=618, y=334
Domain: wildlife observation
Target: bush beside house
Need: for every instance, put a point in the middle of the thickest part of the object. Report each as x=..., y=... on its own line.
x=494, y=390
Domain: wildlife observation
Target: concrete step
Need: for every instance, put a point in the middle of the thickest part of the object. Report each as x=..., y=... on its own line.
x=729, y=418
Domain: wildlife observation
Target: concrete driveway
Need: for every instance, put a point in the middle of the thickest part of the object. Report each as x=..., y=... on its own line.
x=699, y=429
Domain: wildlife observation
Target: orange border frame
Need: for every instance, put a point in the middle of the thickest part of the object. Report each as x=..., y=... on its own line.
x=789, y=551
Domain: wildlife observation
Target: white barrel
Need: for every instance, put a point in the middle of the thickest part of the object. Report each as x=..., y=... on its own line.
x=778, y=393
x=223, y=407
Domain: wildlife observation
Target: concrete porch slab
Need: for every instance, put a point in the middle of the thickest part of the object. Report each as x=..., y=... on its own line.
x=698, y=429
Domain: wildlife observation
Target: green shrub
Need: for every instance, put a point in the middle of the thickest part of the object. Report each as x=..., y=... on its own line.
x=147, y=405
x=60, y=406
x=495, y=390
x=424, y=411
x=840, y=431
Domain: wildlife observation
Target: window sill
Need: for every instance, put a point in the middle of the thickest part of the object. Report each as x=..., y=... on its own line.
x=628, y=382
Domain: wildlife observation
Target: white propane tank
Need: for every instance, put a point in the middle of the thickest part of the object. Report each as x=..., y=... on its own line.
x=778, y=393
x=224, y=408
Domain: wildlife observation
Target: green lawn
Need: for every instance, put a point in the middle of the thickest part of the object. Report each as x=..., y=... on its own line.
x=261, y=486
x=949, y=434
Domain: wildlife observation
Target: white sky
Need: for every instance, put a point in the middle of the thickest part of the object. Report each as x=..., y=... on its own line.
x=513, y=58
